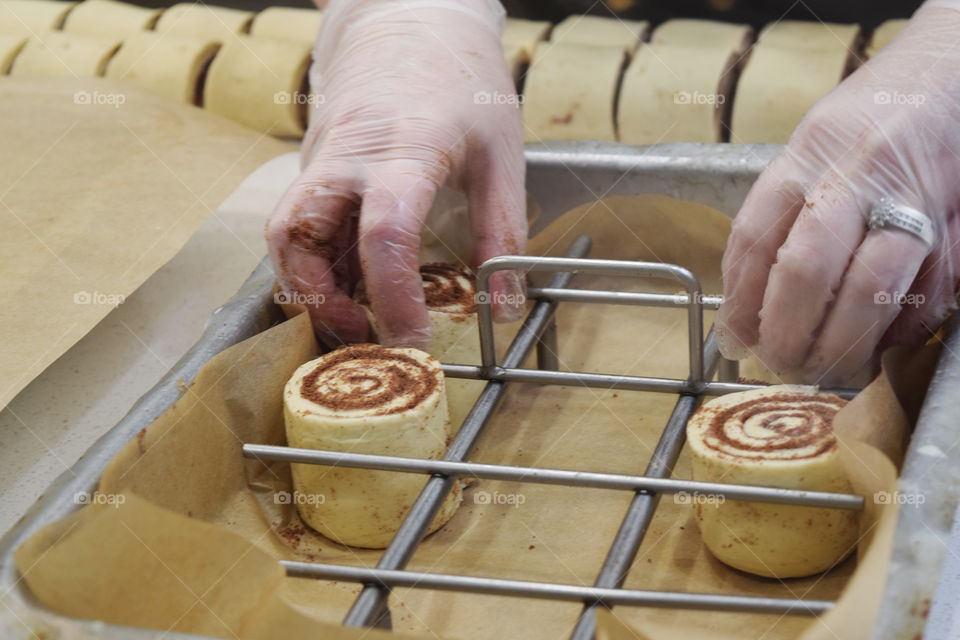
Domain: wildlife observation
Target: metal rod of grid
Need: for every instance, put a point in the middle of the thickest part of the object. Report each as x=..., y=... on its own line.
x=539, y=329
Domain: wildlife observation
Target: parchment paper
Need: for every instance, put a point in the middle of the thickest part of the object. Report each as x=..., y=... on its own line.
x=101, y=184
x=187, y=468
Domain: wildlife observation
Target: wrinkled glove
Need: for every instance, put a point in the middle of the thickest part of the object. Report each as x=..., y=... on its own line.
x=807, y=287
x=412, y=95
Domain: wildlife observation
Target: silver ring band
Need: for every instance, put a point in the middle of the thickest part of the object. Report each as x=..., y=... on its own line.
x=886, y=213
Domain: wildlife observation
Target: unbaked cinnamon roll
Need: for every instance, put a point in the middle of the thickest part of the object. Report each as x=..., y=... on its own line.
x=366, y=399
x=450, y=295
x=779, y=436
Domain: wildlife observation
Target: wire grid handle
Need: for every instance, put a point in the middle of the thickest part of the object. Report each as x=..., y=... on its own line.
x=539, y=329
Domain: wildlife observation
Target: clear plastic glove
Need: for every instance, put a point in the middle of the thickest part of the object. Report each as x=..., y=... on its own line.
x=412, y=96
x=807, y=287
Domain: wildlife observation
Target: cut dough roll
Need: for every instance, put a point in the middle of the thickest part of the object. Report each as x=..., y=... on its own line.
x=204, y=21
x=524, y=35
x=170, y=65
x=777, y=88
x=449, y=292
x=676, y=93
x=32, y=17
x=56, y=53
x=570, y=92
x=713, y=34
x=804, y=34
x=780, y=436
x=10, y=46
x=288, y=24
x=261, y=83
x=109, y=18
x=366, y=399
x=601, y=32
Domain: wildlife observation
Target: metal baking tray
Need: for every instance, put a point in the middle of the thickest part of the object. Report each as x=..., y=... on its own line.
x=561, y=176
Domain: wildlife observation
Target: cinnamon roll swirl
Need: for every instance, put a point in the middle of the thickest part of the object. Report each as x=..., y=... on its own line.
x=449, y=291
x=366, y=399
x=780, y=436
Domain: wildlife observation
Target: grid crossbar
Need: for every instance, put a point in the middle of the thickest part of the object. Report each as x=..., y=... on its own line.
x=539, y=329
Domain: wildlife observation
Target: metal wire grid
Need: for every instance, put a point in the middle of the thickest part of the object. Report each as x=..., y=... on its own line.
x=539, y=329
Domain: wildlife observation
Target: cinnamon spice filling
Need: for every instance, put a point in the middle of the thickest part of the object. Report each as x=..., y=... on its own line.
x=447, y=288
x=371, y=378
x=786, y=426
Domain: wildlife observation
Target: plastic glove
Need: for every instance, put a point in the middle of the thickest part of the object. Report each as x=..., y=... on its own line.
x=807, y=287
x=413, y=95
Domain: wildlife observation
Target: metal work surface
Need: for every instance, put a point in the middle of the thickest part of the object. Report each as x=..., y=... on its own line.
x=717, y=175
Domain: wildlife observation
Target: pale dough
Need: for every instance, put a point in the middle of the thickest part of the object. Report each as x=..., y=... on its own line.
x=803, y=34
x=32, y=17
x=675, y=93
x=261, y=83
x=10, y=46
x=166, y=64
x=779, y=436
x=520, y=38
x=883, y=34
x=204, y=21
x=364, y=507
x=779, y=85
x=289, y=24
x=713, y=34
x=570, y=91
x=523, y=35
x=110, y=18
x=599, y=31
x=56, y=53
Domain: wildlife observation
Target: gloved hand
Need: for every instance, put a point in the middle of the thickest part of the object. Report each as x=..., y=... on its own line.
x=807, y=287
x=413, y=95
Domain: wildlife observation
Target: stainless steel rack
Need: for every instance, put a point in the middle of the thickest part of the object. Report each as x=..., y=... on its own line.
x=540, y=329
